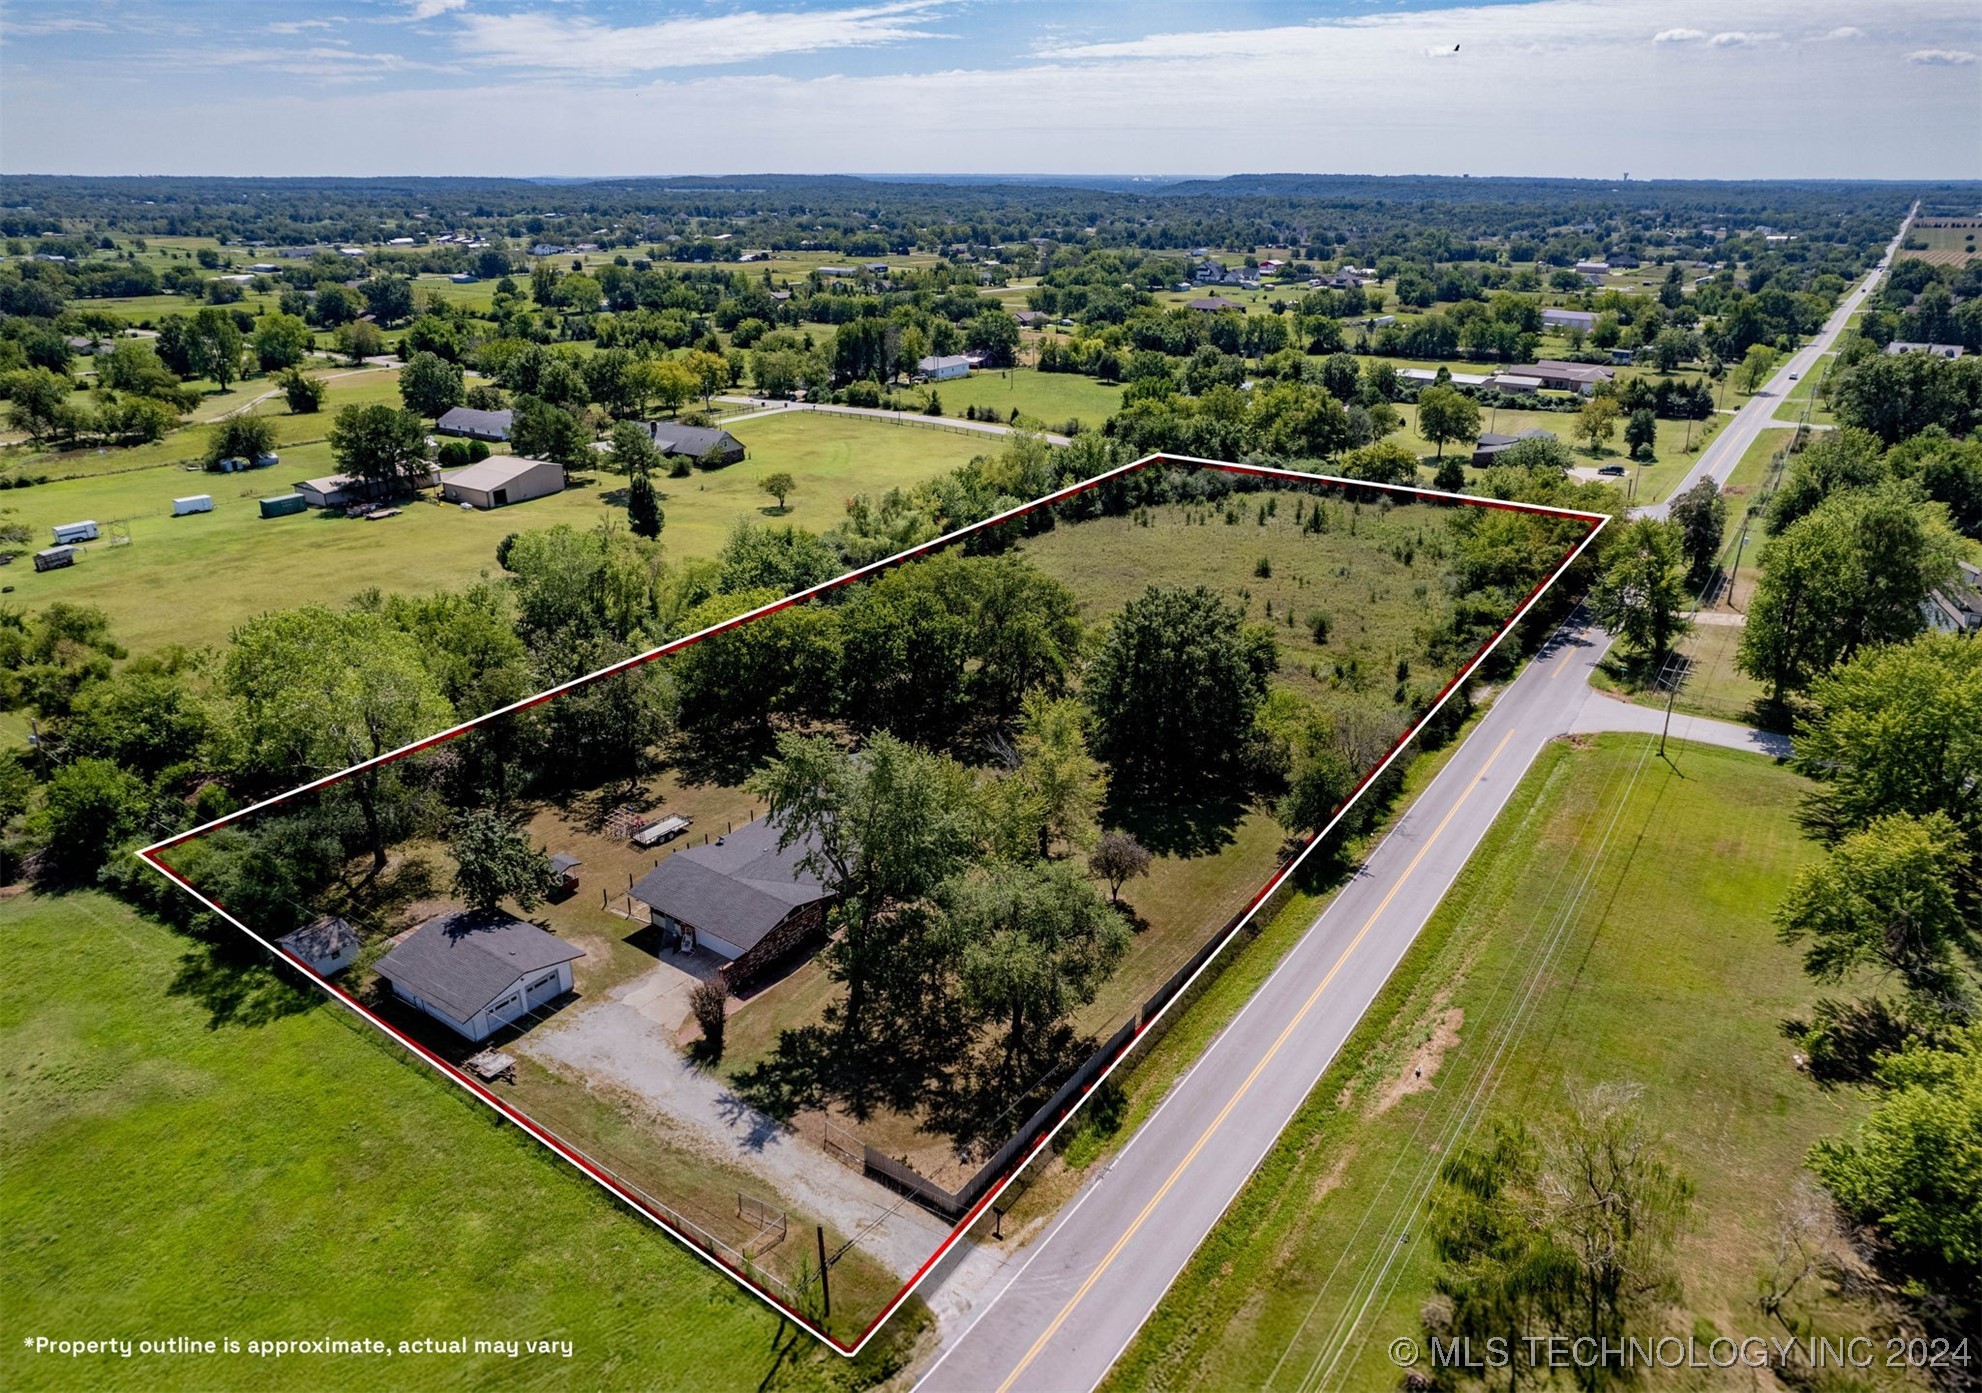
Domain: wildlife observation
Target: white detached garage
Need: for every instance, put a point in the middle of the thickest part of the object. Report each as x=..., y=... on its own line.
x=476, y=972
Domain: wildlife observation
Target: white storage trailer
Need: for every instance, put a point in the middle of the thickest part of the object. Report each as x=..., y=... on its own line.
x=196, y=503
x=54, y=558
x=69, y=533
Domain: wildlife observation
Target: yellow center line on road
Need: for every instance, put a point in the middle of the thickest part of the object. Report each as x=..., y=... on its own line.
x=1259, y=1068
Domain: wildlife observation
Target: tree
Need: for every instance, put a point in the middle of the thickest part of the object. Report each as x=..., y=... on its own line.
x=710, y=370
x=215, y=345
x=666, y=380
x=643, y=504
x=779, y=485
x=1596, y=422
x=1175, y=687
x=430, y=385
x=89, y=808
x=1913, y=1167
x=335, y=305
x=1701, y=513
x=539, y=430
x=360, y=339
x=1837, y=461
x=314, y=691
x=1566, y=1231
x=1535, y=452
x=383, y=448
x=1641, y=430
x=388, y=299
x=1056, y=791
x=494, y=861
x=1118, y=858
x=39, y=405
x=1445, y=413
x=882, y=829
x=1850, y=574
x=708, y=1002
x=281, y=341
x=1756, y=365
x=1896, y=730
x=1451, y=476
x=1642, y=588
x=302, y=392
x=243, y=436
x=1036, y=942
x=994, y=333
x=134, y=366
x=1884, y=900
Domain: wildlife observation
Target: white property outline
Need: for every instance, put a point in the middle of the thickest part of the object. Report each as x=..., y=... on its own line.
x=622, y=1190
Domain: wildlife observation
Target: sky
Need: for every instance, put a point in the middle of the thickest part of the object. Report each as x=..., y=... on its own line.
x=574, y=88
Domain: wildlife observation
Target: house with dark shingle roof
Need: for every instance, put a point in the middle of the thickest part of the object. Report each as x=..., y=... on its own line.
x=741, y=896
x=471, y=424
x=476, y=971
x=694, y=441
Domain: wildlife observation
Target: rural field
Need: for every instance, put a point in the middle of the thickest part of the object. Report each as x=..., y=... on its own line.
x=189, y=580
x=195, y=1148
x=1612, y=929
x=1052, y=398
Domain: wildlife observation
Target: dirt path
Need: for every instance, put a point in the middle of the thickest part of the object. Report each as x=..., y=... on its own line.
x=620, y=1041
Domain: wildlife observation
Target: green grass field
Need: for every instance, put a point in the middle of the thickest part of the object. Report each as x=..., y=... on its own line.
x=1051, y=397
x=191, y=579
x=1652, y=960
x=201, y=1152
x=1674, y=450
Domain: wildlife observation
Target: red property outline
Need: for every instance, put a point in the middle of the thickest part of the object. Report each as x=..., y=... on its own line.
x=153, y=855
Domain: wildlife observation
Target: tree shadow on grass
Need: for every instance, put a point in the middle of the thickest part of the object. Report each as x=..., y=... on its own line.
x=726, y=757
x=236, y=985
x=1201, y=826
x=899, y=1060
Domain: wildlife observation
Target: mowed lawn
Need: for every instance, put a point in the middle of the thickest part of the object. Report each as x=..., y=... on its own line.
x=191, y=579
x=285, y=1174
x=1614, y=927
x=1052, y=397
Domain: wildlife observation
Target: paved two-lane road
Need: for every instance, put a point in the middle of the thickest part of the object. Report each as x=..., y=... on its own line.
x=1079, y=1295
x=1758, y=414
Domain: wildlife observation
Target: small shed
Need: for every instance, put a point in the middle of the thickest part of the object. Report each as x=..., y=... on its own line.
x=502, y=480
x=330, y=491
x=326, y=945
x=284, y=505
x=564, y=871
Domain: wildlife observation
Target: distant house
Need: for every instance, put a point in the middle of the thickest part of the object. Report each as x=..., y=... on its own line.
x=836, y=272
x=1212, y=304
x=327, y=945
x=476, y=972
x=471, y=424
x=1622, y=357
x=464, y=278
x=1513, y=382
x=547, y=249
x=499, y=481
x=1427, y=377
x=942, y=369
x=1593, y=270
x=1029, y=319
x=695, y=442
x=1937, y=350
x=1956, y=608
x=1490, y=446
x=739, y=896
x=1584, y=320
x=1558, y=376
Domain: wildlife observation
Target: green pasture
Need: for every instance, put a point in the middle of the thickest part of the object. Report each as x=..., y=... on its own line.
x=1614, y=928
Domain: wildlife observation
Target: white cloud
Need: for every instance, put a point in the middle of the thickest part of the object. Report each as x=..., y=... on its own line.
x=298, y=26
x=428, y=9
x=1294, y=97
x=60, y=24
x=1678, y=36
x=575, y=44
x=1941, y=57
x=1739, y=38
x=1843, y=31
